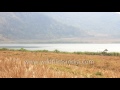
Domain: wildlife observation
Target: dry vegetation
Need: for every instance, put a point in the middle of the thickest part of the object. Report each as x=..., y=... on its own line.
x=14, y=64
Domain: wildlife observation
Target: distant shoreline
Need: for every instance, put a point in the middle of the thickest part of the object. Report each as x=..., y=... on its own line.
x=57, y=51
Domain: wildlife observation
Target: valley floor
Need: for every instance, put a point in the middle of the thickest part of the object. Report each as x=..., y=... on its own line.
x=22, y=64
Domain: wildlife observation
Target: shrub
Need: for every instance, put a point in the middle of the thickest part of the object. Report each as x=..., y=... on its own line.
x=44, y=50
x=22, y=49
x=57, y=51
x=78, y=52
x=4, y=49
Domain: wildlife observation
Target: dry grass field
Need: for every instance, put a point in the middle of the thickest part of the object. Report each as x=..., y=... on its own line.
x=27, y=64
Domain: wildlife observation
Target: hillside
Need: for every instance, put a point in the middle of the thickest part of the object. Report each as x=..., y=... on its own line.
x=59, y=27
x=106, y=23
x=34, y=26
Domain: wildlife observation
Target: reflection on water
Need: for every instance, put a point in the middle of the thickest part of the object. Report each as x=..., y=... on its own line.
x=66, y=47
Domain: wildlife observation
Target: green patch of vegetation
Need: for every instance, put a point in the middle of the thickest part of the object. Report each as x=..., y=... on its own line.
x=66, y=52
x=113, y=54
x=22, y=49
x=3, y=49
x=98, y=73
x=99, y=53
x=44, y=50
x=56, y=51
x=41, y=51
x=38, y=51
x=88, y=53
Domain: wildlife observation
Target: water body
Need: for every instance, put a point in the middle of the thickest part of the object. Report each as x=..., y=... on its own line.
x=66, y=47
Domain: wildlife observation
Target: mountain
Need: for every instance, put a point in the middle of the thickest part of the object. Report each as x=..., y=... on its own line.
x=106, y=23
x=21, y=26
x=59, y=27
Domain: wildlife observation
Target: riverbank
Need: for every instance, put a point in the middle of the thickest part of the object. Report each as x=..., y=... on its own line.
x=45, y=64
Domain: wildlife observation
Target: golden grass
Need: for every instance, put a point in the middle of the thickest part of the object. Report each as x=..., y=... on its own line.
x=13, y=65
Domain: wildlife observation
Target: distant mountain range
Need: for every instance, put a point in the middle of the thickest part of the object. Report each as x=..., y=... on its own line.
x=61, y=27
